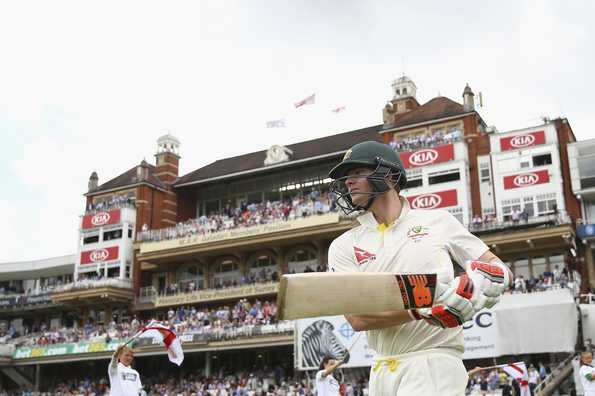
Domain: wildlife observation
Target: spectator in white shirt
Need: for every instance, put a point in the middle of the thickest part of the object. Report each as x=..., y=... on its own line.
x=124, y=380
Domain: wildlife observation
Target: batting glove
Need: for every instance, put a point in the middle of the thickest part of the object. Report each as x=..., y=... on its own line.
x=490, y=279
x=453, y=306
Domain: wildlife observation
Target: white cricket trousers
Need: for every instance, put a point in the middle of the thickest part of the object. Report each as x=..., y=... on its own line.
x=432, y=372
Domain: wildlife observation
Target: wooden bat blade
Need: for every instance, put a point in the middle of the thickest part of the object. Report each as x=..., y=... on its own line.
x=339, y=293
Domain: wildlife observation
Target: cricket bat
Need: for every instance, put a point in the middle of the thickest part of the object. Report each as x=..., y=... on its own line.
x=332, y=293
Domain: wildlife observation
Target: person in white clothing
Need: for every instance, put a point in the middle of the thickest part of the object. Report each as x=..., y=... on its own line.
x=124, y=380
x=419, y=350
x=326, y=384
x=587, y=373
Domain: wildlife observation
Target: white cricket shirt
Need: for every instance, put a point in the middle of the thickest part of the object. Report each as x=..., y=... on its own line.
x=326, y=386
x=588, y=386
x=124, y=381
x=419, y=241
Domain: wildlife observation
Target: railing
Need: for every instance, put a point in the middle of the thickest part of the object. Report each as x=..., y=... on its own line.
x=9, y=301
x=205, y=295
x=111, y=206
x=95, y=283
x=553, y=375
x=147, y=294
x=425, y=141
x=550, y=219
x=203, y=227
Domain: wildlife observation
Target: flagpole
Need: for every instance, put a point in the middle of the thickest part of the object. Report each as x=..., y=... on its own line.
x=134, y=337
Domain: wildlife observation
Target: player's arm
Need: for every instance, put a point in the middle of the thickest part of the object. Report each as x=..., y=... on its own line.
x=379, y=320
x=112, y=368
x=331, y=368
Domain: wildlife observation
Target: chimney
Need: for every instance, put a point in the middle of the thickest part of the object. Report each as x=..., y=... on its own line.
x=468, y=99
x=93, y=182
x=142, y=171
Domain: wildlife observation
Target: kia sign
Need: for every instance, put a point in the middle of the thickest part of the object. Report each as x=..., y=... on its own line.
x=522, y=140
x=442, y=199
x=526, y=179
x=428, y=156
x=101, y=218
x=99, y=255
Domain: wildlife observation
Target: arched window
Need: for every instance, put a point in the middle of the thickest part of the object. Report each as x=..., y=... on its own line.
x=262, y=267
x=226, y=273
x=303, y=259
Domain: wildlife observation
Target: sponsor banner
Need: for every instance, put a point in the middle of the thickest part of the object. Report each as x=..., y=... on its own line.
x=522, y=140
x=217, y=294
x=247, y=232
x=428, y=156
x=100, y=255
x=480, y=336
x=93, y=347
x=526, y=179
x=101, y=219
x=22, y=300
x=311, y=334
x=440, y=199
x=64, y=349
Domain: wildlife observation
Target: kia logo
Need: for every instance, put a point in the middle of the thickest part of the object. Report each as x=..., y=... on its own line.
x=100, y=218
x=426, y=201
x=423, y=157
x=99, y=255
x=525, y=180
x=522, y=140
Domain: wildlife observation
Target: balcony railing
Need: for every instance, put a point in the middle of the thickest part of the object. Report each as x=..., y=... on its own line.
x=126, y=203
x=24, y=299
x=148, y=294
x=94, y=283
x=531, y=222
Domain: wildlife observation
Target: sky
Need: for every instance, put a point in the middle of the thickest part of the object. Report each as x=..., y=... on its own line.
x=90, y=86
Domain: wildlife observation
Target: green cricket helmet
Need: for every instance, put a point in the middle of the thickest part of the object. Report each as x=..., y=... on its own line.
x=380, y=158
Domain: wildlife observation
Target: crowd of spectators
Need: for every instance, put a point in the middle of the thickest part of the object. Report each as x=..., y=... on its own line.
x=423, y=141
x=262, y=275
x=113, y=203
x=548, y=280
x=497, y=382
x=257, y=382
x=516, y=217
x=224, y=322
x=247, y=215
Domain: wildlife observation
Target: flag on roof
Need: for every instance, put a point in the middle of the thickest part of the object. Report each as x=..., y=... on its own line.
x=339, y=109
x=276, y=123
x=518, y=371
x=308, y=101
x=163, y=335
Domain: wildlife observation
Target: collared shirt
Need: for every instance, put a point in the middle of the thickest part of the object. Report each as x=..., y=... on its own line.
x=418, y=241
x=326, y=386
x=588, y=386
x=124, y=381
